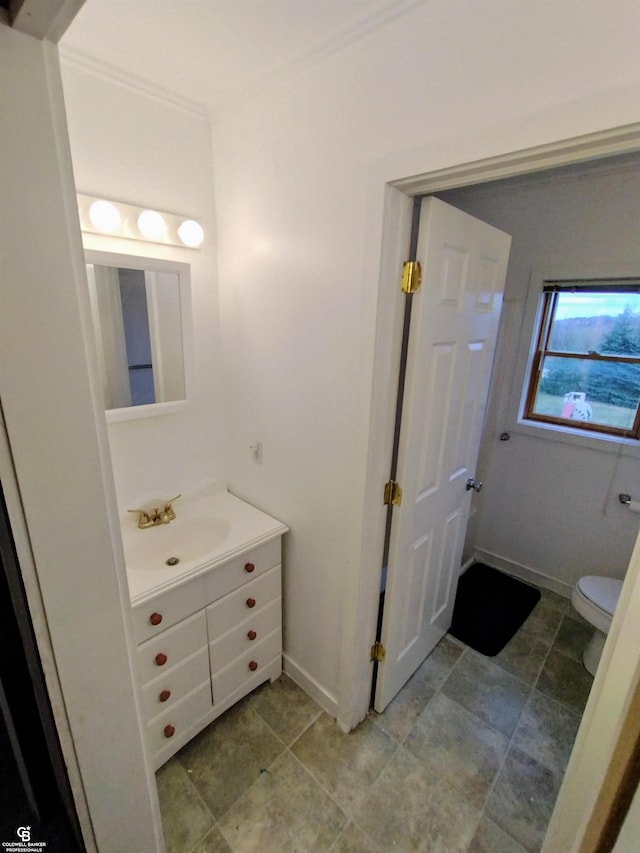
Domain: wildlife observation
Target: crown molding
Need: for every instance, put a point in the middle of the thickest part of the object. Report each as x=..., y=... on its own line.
x=379, y=14
x=315, y=53
x=78, y=60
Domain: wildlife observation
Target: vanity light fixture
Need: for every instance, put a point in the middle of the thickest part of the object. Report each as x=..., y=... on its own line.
x=105, y=216
x=191, y=233
x=119, y=219
x=152, y=225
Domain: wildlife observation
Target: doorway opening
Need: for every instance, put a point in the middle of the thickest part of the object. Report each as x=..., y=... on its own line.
x=455, y=181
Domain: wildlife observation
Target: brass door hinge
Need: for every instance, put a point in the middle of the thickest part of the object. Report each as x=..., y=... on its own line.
x=378, y=652
x=411, y=276
x=392, y=493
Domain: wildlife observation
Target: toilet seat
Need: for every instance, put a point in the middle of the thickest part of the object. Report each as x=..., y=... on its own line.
x=595, y=598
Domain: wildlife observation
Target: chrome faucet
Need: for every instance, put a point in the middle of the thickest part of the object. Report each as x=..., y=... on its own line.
x=156, y=516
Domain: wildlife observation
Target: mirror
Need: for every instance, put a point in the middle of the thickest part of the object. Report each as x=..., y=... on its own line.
x=139, y=307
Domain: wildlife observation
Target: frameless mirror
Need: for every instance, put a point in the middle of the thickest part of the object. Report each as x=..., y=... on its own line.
x=139, y=306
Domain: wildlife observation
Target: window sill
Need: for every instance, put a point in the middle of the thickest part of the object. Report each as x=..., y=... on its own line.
x=596, y=441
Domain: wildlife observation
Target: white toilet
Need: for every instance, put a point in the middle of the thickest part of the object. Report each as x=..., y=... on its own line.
x=595, y=598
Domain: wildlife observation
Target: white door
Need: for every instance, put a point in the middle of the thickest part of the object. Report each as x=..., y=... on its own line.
x=454, y=323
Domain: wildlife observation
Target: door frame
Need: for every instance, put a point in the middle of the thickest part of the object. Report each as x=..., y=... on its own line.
x=362, y=588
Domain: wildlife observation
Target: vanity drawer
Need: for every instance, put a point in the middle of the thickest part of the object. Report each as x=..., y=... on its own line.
x=172, y=686
x=245, y=636
x=247, y=666
x=238, y=605
x=160, y=613
x=169, y=648
x=173, y=723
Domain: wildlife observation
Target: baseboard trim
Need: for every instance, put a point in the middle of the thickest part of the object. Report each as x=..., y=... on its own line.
x=532, y=576
x=310, y=686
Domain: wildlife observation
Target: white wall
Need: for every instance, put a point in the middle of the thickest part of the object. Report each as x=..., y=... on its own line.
x=59, y=450
x=131, y=146
x=300, y=177
x=550, y=506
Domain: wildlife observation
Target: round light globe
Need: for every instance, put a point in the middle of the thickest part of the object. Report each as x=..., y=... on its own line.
x=152, y=225
x=104, y=216
x=191, y=233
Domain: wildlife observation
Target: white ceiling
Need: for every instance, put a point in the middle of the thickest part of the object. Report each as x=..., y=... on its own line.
x=213, y=51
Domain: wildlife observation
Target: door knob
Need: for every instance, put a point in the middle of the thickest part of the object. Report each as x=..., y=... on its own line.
x=471, y=484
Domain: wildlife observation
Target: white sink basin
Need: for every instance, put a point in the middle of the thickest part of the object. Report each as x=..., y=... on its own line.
x=210, y=528
x=187, y=540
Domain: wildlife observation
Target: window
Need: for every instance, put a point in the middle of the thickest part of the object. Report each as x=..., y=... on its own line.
x=585, y=371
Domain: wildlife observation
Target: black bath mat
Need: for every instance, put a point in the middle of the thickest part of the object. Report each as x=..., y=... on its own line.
x=490, y=607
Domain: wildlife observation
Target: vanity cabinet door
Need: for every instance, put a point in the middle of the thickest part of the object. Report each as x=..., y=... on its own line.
x=248, y=667
x=163, y=652
x=245, y=636
x=173, y=685
x=239, y=605
x=171, y=729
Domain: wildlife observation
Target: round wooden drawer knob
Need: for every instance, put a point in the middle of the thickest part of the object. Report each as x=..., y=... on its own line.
x=252, y=635
x=253, y=665
x=251, y=602
x=161, y=659
x=169, y=730
x=164, y=695
x=249, y=567
x=155, y=618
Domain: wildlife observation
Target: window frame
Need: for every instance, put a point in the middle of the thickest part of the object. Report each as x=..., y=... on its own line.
x=547, y=297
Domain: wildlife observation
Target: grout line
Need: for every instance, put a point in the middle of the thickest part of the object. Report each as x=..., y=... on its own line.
x=351, y=822
x=533, y=689
x=306, y=728
x=377, y=720
x=285, y=749
x=332, y=794
x=266, y=769
x=279, y=736
x=198, y=795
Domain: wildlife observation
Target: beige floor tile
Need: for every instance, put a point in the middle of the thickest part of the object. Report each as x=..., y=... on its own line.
x=438, y=665
x=344, y=764
x=185, y=818
x=546, y=731
x=492, y=694
x=572, y=638
x=543, y=623
x=523, y=656
x=353, y=840
x=565, y=680
x=402, y=712
x=213, y=842
x=285, y=707
x=455, y=745
x=410, y=810
x=489, y=838
x=554, y=601
x=523, y=798
x=229, y=755
x=284, y=810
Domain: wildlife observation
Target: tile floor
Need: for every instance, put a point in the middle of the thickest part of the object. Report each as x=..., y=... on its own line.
x=468, y=757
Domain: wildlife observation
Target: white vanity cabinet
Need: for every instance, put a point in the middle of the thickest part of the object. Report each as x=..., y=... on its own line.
x=206, y=643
